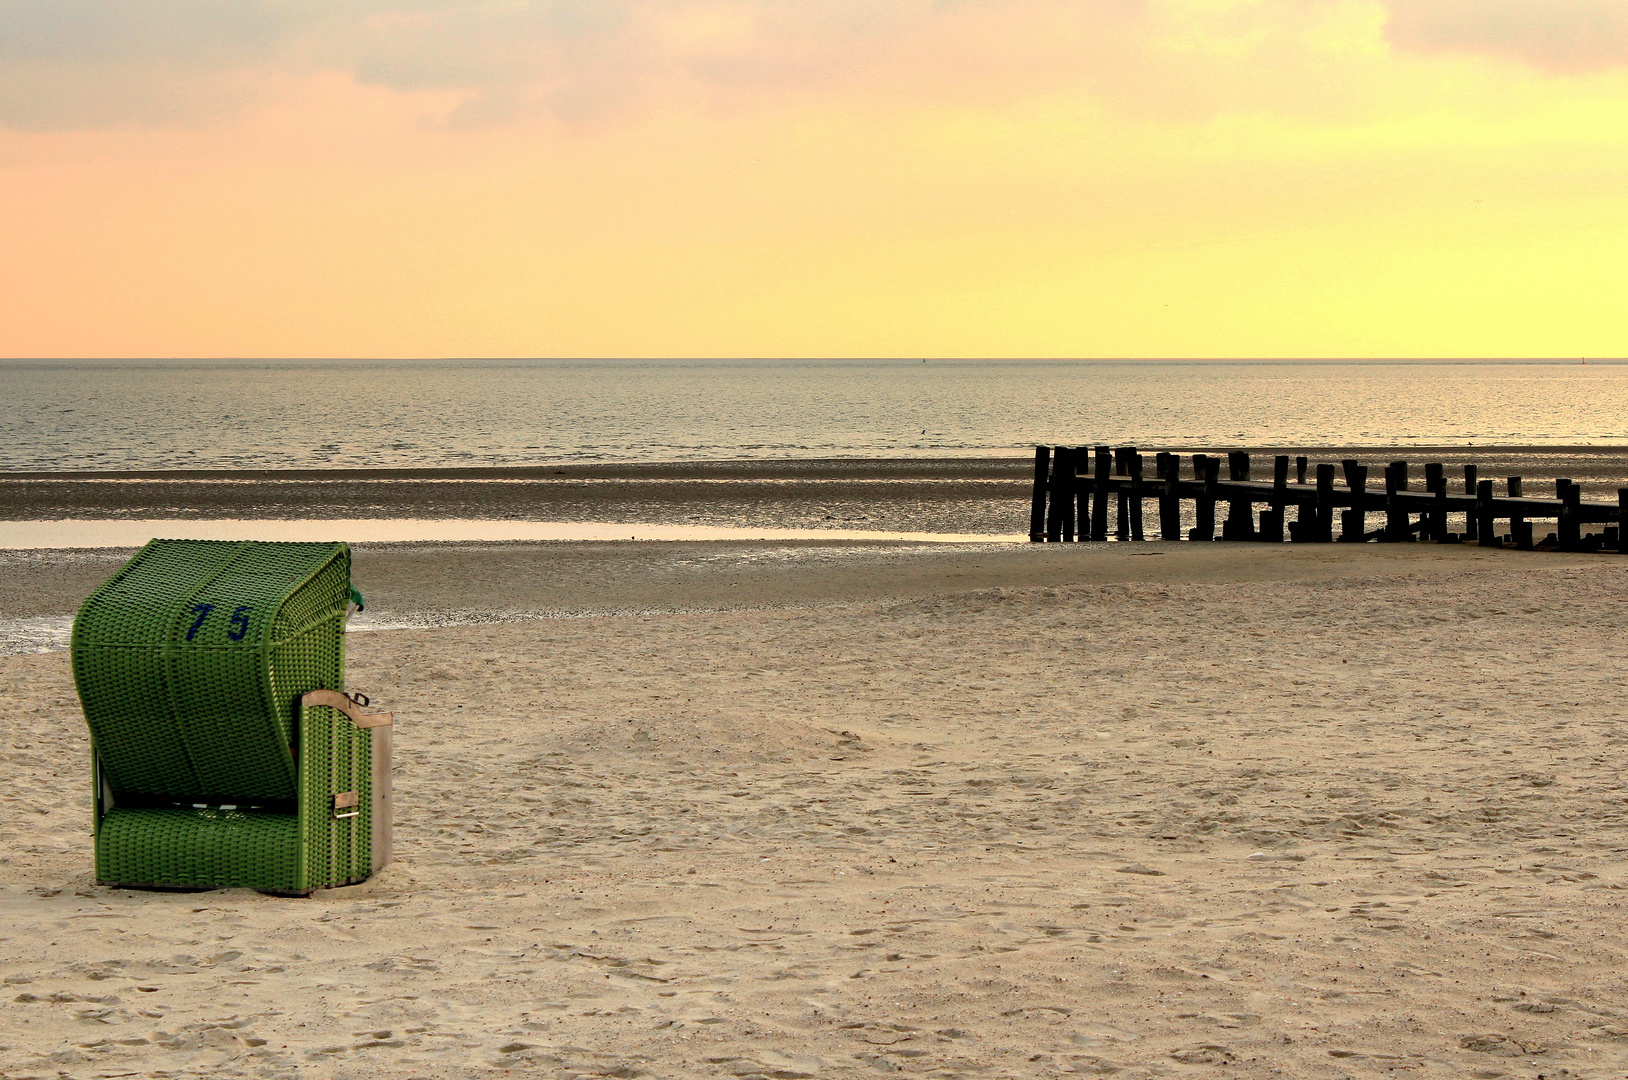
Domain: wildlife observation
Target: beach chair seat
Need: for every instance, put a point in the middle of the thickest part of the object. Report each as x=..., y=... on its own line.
x=224, y=753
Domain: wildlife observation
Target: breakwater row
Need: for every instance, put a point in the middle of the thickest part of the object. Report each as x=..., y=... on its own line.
x=1076, y=488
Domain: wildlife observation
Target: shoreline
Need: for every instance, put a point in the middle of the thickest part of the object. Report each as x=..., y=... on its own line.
x=952, y=495
x=994, y=464
x=124, y=533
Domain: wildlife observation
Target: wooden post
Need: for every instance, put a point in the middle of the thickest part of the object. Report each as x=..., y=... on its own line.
x=1300, y=470
x=1483, y=511
x=1207, y=470
x=1389, y=533
x=1443, y=534
x=1304, y=529
x=1099, y=494
x=1354, y=522
x=1136, y=497
x=1161, y=472
x=1229, y=524
x=1240, y=523
x=1396, y=517
x=1063, y=491
x=1198, y=500
x=1325, y=503
x=1571, y=520
x=1122, y=517
x=1084, y=485
x=1436, y=484
x=1470, y=523
x=1170, y=498
x=1054, y=509
x=1520, y=529
x=1272, y=518
x=1037, y=508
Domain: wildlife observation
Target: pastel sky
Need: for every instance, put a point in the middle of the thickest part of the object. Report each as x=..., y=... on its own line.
x=813, y=177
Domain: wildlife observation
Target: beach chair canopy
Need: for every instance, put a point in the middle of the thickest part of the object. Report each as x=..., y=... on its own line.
x=218, y=760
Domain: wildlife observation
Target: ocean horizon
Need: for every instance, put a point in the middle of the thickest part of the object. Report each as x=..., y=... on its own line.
x=134, y=415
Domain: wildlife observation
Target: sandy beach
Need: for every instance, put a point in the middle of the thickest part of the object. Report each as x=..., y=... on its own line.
x=803, y=811
x=727, y=436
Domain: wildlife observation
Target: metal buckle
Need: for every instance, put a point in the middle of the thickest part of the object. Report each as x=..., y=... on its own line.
x=347, y=799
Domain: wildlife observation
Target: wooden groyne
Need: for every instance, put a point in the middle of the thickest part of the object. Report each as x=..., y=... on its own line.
x=1074, y=488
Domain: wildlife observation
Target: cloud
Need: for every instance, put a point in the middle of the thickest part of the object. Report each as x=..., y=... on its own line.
x=196, y=33
x=98, y=63
x=37, y=95
x=86, y=64
x=69, y=64
x=1558, y=36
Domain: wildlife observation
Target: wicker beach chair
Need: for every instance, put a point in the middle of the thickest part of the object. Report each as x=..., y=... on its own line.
x=224, y=753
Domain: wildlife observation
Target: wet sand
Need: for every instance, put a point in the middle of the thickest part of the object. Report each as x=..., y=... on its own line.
x=962, y=495
x=1112, y=810
x=970, y=496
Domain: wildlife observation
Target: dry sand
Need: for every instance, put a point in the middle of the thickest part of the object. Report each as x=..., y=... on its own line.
x=1132, y=811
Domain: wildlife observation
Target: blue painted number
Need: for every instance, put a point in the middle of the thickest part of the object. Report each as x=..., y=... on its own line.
x=202, y=611
x=240, y=623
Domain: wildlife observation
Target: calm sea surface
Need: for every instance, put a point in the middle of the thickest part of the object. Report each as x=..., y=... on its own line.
x=119, y=415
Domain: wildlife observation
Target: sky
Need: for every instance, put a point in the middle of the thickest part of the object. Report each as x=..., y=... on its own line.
x=745, y=178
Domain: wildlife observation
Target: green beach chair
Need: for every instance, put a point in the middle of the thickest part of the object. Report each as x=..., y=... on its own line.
x=224, y=753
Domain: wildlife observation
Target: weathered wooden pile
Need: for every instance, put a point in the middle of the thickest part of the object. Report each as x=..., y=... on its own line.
x=1073, y=487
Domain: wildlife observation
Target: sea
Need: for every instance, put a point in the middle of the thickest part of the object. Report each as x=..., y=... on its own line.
x=132, y=415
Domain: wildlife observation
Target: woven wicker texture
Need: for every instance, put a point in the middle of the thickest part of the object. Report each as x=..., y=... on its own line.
x=336, y=756
x=190, y=662
x=185, y=846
